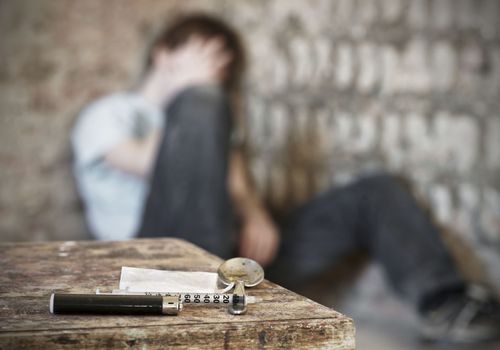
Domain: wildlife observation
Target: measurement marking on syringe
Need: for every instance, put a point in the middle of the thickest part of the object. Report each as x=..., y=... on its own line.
x=197, y=298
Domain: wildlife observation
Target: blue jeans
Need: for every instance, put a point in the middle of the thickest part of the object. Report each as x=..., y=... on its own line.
x=188, y=196
x=189, y=199
x=375, y=214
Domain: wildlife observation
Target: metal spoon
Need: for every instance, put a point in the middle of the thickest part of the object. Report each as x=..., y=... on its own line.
x=241, y=273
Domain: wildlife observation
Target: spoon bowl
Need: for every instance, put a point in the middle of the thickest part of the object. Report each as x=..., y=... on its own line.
x=243, y=270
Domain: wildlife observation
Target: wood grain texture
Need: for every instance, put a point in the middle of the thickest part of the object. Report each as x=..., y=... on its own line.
x=30, y=272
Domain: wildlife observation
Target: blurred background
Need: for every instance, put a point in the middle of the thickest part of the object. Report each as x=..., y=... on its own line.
x=335, y=88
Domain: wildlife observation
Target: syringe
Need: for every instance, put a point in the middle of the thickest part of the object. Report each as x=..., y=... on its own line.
x=206, y=299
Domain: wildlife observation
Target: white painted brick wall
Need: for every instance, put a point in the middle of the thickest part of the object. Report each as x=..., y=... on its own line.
x=344, y=65
x=443, y=65
x=492, y=143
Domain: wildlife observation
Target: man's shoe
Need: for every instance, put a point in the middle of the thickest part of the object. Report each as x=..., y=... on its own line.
x=471, y=317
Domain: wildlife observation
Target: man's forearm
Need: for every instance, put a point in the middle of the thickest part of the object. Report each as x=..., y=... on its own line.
x=246, y=200
x=135, y=157
x=259, y=238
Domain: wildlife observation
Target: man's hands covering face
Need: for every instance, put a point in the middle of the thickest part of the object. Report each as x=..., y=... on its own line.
x=198, y=61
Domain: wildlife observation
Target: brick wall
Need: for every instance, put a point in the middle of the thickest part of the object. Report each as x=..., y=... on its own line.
x=335, y=88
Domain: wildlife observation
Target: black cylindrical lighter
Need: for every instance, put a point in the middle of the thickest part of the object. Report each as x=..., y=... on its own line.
x=115, y=304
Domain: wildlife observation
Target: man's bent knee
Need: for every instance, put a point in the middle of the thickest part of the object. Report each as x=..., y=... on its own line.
x=206, y=94
x=383, y=184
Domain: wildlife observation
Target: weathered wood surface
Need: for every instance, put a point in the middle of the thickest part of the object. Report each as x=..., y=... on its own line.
x=30, y=272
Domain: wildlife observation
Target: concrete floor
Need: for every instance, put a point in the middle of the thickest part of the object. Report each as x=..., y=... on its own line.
x=383, y=322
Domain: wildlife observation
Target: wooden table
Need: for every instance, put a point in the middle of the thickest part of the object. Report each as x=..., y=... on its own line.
x=30, y=272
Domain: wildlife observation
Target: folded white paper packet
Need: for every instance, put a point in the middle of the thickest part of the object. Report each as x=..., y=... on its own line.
x=135, y=279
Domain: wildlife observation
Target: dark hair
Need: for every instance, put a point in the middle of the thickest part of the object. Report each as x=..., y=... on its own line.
x=206, y=26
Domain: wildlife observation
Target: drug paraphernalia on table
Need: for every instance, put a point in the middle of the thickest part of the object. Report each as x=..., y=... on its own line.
x=236, y=272
x=149, y=291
